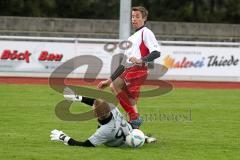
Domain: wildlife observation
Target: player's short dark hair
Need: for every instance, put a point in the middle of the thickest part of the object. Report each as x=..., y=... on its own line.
x=142, y=9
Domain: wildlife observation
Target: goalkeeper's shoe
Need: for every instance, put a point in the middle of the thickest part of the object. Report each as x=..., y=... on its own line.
x=149, y=139
x=57, y=135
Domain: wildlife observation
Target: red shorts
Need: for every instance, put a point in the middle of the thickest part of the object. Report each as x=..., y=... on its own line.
x=134, y=77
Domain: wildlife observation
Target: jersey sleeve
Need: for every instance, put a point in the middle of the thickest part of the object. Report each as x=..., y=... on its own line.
x=150, y=41
x=101, y=136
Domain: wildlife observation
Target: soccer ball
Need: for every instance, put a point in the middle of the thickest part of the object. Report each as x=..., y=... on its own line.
x=135, y=139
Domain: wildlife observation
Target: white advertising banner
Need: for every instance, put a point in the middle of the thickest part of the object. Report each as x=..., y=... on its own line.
x=201, y=61
x=26, y=56
x=37, y=56
x=44, y=57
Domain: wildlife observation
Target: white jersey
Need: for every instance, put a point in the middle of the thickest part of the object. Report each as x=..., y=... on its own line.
x=143, y=42
x=114, y=132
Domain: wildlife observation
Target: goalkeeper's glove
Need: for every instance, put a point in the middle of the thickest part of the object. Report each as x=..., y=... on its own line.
x=70, y=95
x=57, y=135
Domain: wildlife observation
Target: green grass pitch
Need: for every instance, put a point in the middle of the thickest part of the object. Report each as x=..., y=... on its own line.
x=194, y=124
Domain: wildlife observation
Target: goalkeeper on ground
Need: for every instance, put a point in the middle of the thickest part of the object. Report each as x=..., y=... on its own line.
x=113, y=128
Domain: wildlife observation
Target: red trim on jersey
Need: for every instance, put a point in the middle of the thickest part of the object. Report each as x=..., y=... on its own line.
x=143, y=48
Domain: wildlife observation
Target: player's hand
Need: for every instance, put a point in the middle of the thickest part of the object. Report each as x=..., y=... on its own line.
x=57, y=135
x=104, y=84
x=135, y=61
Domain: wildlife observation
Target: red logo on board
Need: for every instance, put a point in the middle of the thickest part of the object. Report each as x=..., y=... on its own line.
x=15, y=55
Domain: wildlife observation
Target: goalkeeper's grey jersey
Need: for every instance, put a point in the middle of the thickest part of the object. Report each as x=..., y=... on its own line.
x=113, y=133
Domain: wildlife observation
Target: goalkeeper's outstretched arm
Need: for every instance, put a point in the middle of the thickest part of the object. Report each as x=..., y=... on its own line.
x=57, y=135
x=87, y=143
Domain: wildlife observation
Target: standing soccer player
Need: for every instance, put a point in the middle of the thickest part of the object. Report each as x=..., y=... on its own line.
x=125, y=82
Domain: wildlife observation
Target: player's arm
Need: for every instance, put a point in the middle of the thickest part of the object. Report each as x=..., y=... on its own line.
x=86, y=143
x=57, y=135
x=116, y=74
x=149, y=58
x=70, y=95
